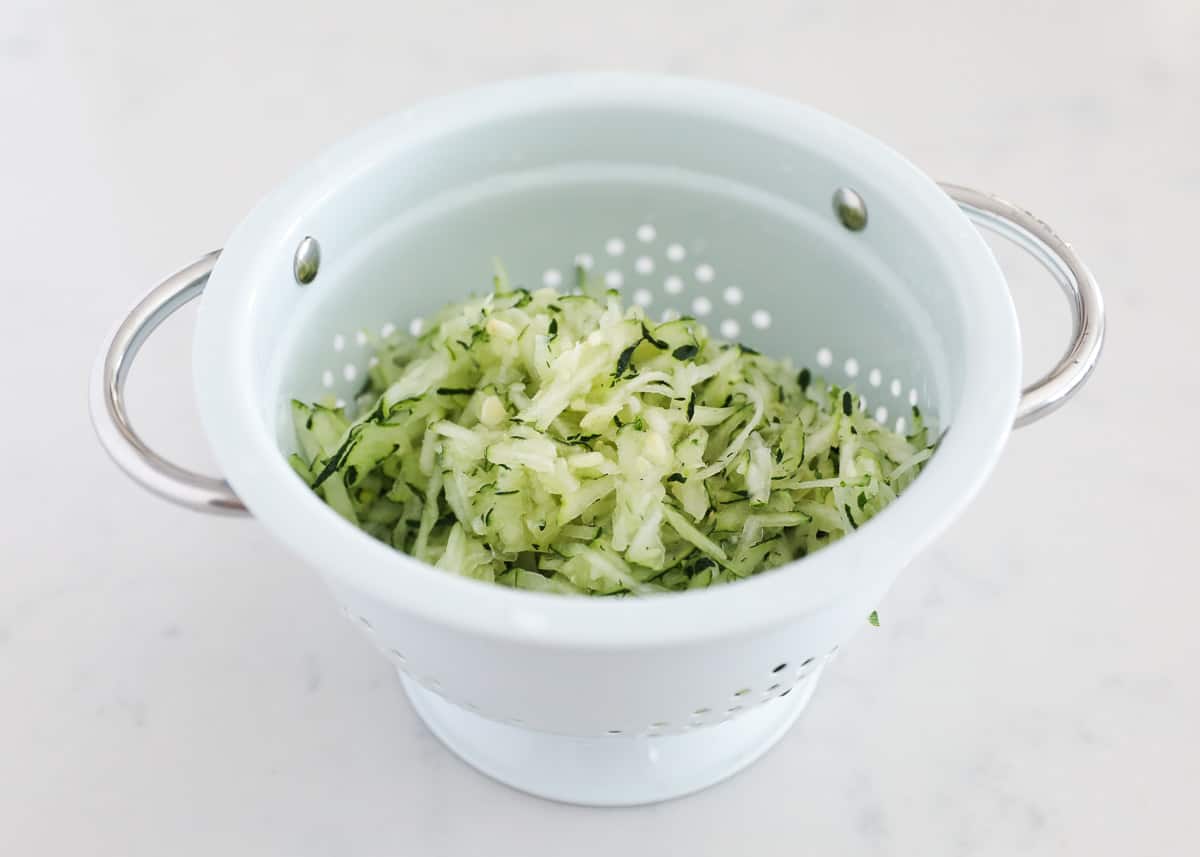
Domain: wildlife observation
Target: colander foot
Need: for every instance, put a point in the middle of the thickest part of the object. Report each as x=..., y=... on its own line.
x=616, y=770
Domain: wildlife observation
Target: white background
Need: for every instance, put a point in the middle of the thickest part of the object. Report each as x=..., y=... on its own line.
x=173, y=684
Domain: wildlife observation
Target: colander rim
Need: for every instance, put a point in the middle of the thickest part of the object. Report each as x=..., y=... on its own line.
x=247, y=452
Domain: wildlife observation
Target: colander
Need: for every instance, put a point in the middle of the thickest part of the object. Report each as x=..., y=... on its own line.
x=773, y=223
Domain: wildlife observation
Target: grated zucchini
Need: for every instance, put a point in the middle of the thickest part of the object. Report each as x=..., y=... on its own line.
x=564, y=443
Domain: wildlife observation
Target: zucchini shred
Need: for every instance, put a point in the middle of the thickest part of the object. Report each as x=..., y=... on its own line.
x=564, y=443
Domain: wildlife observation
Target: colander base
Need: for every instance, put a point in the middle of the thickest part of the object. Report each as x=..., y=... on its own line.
x=616, y=770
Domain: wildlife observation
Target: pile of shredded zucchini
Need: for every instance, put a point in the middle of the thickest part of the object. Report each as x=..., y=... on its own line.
x=564, y=443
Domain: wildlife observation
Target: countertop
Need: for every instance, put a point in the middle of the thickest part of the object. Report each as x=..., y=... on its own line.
x=176, y=684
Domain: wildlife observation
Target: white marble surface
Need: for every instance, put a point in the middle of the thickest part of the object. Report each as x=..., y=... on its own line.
x=171, y=684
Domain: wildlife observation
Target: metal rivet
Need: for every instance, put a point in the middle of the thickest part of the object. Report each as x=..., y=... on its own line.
x=850, y=209
x=307, y=261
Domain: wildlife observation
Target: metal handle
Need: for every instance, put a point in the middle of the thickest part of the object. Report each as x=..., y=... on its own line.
x=107, y=399
x=1055, y=255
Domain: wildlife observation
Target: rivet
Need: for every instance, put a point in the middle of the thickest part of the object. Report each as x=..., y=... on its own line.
x=307, y=261
x=850, y=209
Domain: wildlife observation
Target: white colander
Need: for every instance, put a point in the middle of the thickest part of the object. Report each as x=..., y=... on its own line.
x=773, y=223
